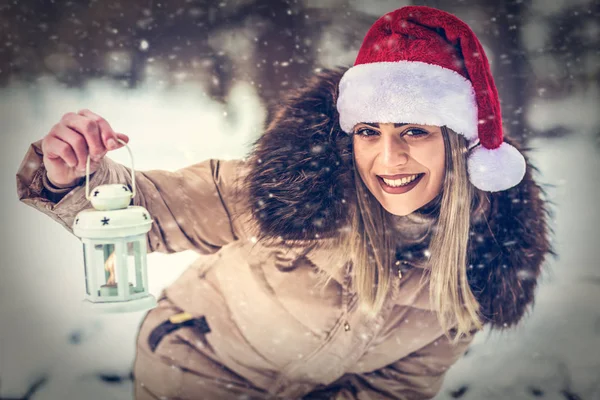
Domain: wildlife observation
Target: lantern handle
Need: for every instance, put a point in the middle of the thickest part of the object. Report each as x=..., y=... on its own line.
x=87, y=173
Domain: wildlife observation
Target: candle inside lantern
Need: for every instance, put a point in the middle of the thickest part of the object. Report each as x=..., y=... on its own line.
x=110, y=288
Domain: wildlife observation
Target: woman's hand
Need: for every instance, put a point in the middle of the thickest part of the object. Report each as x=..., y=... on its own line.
x=67, y=145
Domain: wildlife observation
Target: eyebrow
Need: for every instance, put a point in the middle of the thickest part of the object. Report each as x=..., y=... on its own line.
x=376, y=124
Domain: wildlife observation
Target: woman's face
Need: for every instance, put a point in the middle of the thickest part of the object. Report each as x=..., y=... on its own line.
x=401, y=164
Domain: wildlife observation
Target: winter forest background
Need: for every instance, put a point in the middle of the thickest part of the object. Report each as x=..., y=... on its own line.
x=189, y=80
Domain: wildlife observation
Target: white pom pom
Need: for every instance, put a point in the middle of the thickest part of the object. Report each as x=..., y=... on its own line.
x=497, y=169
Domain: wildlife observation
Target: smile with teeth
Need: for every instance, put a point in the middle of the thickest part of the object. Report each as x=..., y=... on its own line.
x=400, y=182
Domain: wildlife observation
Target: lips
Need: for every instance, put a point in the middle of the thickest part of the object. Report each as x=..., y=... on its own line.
x=400, y=189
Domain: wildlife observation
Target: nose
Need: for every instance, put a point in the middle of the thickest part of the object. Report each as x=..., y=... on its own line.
x=395, y=150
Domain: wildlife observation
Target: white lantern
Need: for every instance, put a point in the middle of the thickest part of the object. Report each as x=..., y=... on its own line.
x=114, y=248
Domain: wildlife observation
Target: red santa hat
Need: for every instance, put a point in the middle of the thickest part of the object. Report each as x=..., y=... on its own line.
x=424, y=66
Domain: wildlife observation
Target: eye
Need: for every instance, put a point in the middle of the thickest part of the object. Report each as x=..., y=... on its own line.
x=416, y=132
x=365, y=132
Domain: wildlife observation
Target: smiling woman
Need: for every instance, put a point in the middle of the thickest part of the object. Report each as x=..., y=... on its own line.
x=428, y=168
x=400, y=159
x=364, y=178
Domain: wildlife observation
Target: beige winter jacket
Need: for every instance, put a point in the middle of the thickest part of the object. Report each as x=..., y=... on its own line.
x=274, y=332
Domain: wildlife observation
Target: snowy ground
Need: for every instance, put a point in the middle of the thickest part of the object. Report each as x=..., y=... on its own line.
x=45, y=338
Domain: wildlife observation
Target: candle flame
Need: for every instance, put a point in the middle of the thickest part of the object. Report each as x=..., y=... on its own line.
x=109, y=266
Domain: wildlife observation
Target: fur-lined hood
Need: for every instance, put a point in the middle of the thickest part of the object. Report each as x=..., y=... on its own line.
x=301, y=186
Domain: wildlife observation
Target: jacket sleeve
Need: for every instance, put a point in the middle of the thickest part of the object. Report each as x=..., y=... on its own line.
x=192, y=208
x=417, y=376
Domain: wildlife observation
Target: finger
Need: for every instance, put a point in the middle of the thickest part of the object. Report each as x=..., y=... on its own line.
x=106, y=131
x=77, y=143
x=123, y=137
x=89, y=130
x=55, y=148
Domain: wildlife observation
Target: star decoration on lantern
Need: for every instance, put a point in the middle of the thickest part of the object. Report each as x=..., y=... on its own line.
x=96, y=193
x=105, y=221
x=145, y=216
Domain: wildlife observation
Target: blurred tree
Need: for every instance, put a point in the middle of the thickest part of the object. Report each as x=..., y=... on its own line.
x=275, y=44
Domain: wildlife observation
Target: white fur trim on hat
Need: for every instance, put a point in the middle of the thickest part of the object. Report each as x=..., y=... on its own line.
x=407, y=91
x=496, y=169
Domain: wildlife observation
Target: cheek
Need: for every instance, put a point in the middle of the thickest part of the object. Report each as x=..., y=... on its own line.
x=433, y=158
x=362, y=170
x=439, y=169
x=361, y=161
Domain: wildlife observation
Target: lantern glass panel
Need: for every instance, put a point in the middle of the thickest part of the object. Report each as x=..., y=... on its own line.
x=134, y=266
x=86, y=269
x=106, y=276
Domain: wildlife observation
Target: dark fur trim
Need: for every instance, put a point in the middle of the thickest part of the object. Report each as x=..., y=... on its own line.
x=508, y=250
x=301, y=184
x=302, y=167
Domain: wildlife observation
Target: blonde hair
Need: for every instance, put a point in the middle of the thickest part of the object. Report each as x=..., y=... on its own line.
x=371, y=245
